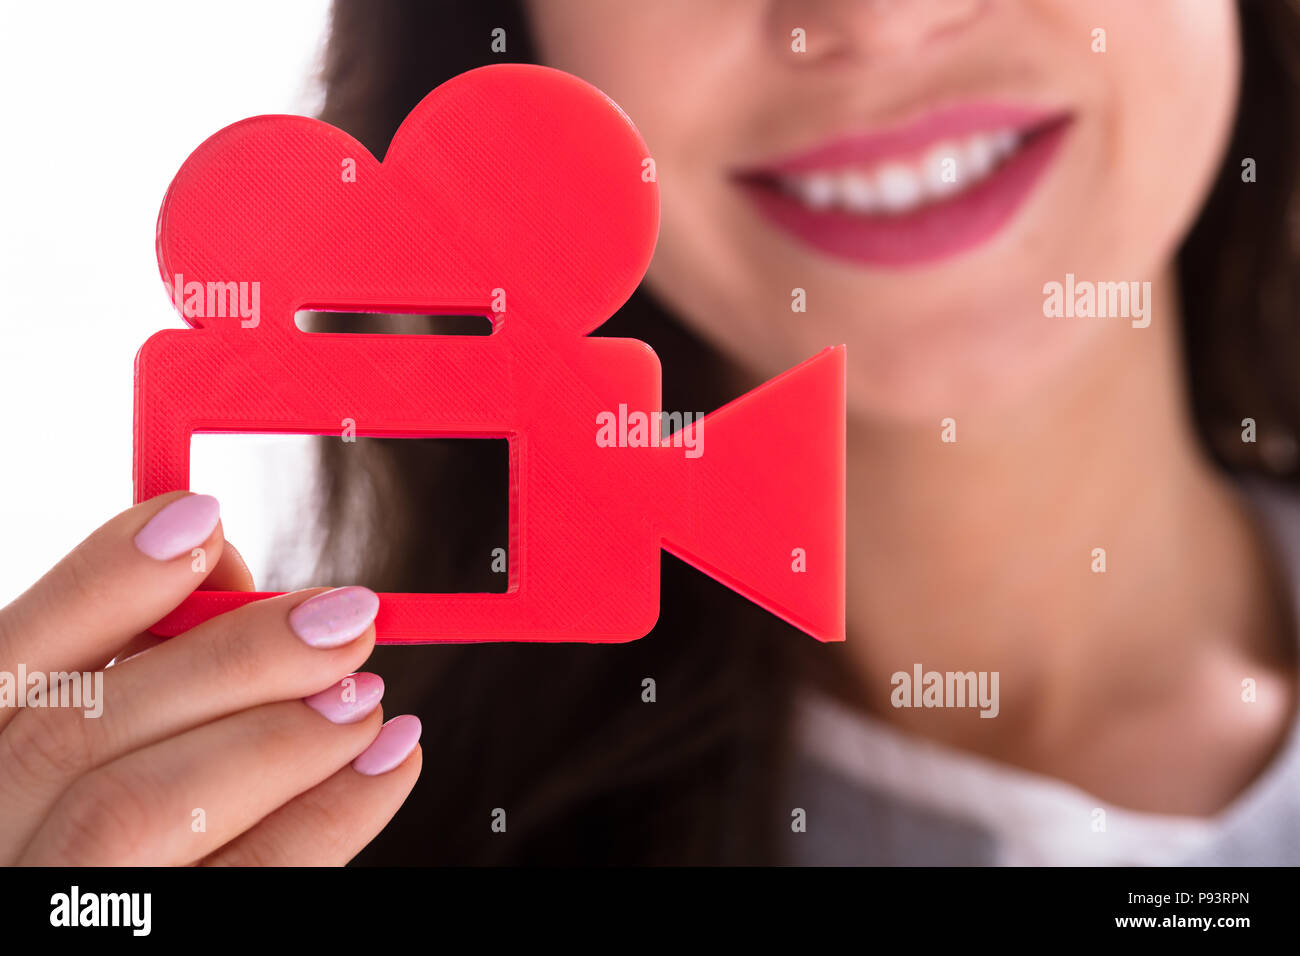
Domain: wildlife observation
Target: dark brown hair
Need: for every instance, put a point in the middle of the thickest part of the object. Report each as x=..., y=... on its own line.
x=559, y=736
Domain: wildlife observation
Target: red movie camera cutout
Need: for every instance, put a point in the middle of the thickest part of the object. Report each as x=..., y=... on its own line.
x=511, y=184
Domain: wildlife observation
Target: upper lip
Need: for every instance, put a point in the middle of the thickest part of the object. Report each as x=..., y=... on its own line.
x=910, y=138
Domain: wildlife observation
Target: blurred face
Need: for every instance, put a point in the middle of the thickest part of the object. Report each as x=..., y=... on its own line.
x=919, y=168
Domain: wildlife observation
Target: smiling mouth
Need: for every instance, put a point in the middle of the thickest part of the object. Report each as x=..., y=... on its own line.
x=913, y=195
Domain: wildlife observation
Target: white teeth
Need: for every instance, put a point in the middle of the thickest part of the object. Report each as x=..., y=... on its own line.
x=817, y=190
x=899, y=187
x=859, y=193
x=979, y=156
x=942, y=169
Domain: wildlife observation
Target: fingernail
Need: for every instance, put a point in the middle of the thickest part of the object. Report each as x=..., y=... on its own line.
x=179, y=528
x=349, y=700
x=396, y=740
x=334, y=617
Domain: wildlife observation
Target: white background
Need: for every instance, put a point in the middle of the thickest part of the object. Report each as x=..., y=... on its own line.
x=100, y=103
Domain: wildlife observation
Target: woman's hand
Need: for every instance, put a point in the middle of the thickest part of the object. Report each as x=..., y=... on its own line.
x=242, y=741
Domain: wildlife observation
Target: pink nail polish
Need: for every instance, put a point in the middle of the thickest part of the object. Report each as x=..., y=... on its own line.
x=349, y=700
x=179, y=528
x=335, y=617
x=397, y=738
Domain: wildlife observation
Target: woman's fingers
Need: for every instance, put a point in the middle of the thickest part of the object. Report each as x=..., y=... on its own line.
x=331, y=823
x=186, y=745
x=231, y=572
x=123, y=578
x=277, y=649
x=178, y=800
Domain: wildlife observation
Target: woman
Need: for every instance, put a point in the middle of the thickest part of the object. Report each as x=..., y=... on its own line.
x=1090, y=507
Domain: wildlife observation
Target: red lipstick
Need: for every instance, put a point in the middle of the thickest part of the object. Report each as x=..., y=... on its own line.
x=911, y=194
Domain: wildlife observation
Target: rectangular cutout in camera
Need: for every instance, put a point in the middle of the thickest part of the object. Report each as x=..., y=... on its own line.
x=441, y=503
x=392, y=323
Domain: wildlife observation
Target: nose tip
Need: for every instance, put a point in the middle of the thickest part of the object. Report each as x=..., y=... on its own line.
x=912, y=22
x=876, y=28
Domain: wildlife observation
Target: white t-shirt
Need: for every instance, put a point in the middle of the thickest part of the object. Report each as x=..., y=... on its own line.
x=876, y=795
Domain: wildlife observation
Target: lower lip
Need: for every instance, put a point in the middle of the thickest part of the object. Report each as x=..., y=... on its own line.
x=928, y=233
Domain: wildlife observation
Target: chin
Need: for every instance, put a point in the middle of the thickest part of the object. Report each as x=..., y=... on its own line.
x=991, y=366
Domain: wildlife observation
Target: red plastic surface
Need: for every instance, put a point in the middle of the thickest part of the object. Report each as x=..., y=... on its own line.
x=517, y=179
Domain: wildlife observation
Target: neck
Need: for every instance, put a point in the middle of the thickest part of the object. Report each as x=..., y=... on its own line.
x=979, y=554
